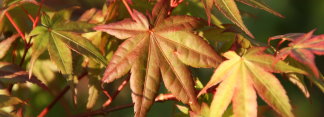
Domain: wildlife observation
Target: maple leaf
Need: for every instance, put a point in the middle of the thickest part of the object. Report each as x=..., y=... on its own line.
x=6, y=44
x=12, y=74
x=240, y=78
x=260, y=5
x=302, y=48
x=57, y=38
x=55, y=35
x=229, y=9
x=9, y=101
x=163, y=49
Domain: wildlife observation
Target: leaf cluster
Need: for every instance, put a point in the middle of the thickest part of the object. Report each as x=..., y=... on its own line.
x=157, y=49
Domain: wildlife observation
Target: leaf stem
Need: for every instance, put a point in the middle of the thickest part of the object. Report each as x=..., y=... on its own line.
x=129, y=9
x=38, y=14
x=16, y=27
x=45, y=110
x=35, y=21
x=28, y=14
x=59, y=96
x=25, y=53
x=23, y=37
x=20, y=112
x=119, y=89
x=103, y=111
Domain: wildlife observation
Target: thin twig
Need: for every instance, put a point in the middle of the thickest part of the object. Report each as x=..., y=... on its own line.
x=25, y=53
x=119, y=89
x=27, y=44
x=130, y=11
x=45, y=110
x=22, y=35
x=35, y=22
x=103, y=111
x=28, y=14
x=58, y=97
x=38, y=14
x=20, y=112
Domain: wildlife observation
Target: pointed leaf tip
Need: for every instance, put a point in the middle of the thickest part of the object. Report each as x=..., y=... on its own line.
x=254, y=69
x=6, y=44
x=11, y=74
x=229, y=9
x=260, y=5
x=302, y=48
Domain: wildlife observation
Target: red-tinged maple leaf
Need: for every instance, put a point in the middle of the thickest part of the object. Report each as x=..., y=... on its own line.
x=230, y=10
x=161, y=49
x=302, y=48
x=11, y=73
x=240, y=78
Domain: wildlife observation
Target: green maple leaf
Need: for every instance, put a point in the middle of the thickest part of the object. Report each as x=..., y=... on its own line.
x=229, y=9
x=55, y=35
x=302, y=48
x=241, y=78
x=151, y=51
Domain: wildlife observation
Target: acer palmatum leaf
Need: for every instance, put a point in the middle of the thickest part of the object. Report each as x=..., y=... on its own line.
x=162, y=50
x=12, y=74
x=240, y=78
x=6, y=44
x=302, y=48
x=57, y=38
x=230, y=10
x=260, y=5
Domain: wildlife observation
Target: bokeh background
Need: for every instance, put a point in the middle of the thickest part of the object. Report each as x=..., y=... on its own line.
x=300, y=16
